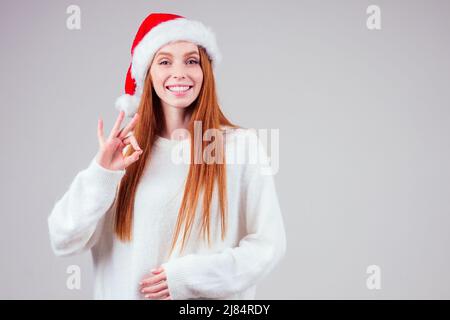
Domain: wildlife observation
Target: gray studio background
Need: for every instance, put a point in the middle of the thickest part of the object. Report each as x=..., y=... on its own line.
x=364, y=133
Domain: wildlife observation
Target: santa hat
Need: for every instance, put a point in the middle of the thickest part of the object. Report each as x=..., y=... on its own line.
x=157, y=30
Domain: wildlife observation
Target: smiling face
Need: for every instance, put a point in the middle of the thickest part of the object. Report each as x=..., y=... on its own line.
x=176, y=74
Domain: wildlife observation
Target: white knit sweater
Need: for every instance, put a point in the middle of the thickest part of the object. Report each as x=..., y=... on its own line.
x=230, y=269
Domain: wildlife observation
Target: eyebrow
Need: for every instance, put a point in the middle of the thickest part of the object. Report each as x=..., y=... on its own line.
x=169, y=54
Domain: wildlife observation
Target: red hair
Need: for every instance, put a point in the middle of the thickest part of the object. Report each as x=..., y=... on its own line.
x=201, y=176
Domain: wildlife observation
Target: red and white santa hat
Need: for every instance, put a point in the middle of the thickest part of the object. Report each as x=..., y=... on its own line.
x=157, y=30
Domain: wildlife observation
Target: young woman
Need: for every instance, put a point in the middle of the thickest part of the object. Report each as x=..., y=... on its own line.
x=135, y=200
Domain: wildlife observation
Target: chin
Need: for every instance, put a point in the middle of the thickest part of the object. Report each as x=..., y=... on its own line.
x=179, y=104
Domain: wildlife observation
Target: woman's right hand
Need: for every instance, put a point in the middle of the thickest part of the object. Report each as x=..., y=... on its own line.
x=110, y=154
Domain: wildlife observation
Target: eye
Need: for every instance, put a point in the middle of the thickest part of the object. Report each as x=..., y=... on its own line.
x=193, y=61
x=162, y=62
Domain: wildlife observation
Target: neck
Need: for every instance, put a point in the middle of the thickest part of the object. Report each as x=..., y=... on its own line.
x=174, y=118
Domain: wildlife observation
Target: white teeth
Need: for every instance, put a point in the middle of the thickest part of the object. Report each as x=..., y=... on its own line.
x=178, y=89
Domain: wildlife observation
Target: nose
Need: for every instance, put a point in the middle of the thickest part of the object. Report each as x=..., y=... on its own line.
x=179, y=71
x=179, y=75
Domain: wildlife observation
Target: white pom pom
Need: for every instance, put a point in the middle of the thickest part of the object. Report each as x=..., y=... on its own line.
x=127, y=103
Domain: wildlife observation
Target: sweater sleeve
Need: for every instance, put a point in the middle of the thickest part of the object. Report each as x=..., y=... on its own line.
x=78, y=214
x=233, y=270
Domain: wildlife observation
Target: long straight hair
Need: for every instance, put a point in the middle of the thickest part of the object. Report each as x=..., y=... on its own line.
x=201, y=176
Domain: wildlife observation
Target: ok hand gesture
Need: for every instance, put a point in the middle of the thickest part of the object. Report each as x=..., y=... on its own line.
x=110, y=154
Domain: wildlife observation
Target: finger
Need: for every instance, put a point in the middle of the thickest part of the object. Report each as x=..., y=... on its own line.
x=167, y=298
x=160, y=269
x=154, y=279
x=115, y=129
x=155, y=288
x=148, y=276
x=157, y=295
x=101, y=139
x=132, y=158
x=129, y=127
x=132, y=139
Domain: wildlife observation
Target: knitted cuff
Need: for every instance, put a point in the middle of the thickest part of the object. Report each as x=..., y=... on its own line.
x=104, y=177
x=177, y=279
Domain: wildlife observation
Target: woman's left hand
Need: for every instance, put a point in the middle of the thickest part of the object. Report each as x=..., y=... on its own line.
x=155, y=286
